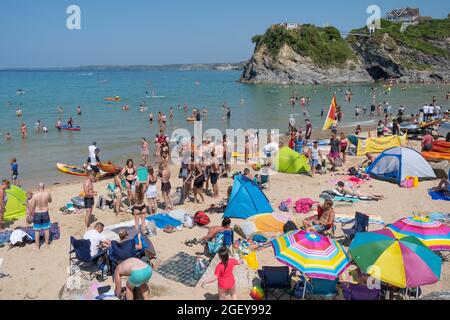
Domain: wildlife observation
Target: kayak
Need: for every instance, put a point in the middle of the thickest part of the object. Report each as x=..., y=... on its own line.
x=113, y=99
x=241, y=155
x=67, y=128
x=436, y=156
x=73, y=170
x=108, y=167
x=190, y=119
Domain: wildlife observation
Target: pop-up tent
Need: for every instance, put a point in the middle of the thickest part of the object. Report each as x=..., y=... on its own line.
x=16, y=205
x=246, y=200
x=289, y=161
x=396, y=164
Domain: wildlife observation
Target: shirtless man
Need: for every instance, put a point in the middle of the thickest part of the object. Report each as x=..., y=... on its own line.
x=138, y=274
x=166, y=186
x=38, y=213
x=3, y=200
x=321, y=224
x=89, y=193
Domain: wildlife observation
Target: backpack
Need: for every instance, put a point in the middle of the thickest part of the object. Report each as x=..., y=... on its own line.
x=201, y=218
x=352, y=171
x=101, y=203
x=289, y=226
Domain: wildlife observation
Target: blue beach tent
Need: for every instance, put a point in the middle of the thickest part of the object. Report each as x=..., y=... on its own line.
x=246, y=200
x=396, y=164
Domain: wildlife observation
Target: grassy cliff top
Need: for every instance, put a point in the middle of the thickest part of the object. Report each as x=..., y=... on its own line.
x=418, y=37
x=324, y=46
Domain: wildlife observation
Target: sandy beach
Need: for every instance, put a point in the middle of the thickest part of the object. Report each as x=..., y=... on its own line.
x=43, y=275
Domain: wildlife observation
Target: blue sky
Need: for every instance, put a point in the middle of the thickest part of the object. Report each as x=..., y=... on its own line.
x=34, y=33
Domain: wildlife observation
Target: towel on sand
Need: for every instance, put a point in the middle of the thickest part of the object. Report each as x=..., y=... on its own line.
x=163, y=220
x=438, y=195
x=304, y=205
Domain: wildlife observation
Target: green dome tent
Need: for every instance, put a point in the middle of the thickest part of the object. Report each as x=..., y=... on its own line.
x=16, y=206
x=289, y=161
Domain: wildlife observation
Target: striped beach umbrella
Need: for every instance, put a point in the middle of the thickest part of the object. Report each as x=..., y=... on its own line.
x=314, y=255
x=431, y=232
x=405, y=262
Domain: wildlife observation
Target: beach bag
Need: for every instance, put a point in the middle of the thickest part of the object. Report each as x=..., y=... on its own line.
x=415, y=181
x=352, y=171
x=201, y=219
x=283, y=206
x=199, y=268
x=407, y=184
x=151, y=228
x=251, y=260
x=289, y=226
x=188, y=222
x=101, y=203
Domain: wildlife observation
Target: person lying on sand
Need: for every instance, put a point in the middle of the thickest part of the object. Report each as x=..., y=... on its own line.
x=212, y=232
x=342, y=189
x=138, y=274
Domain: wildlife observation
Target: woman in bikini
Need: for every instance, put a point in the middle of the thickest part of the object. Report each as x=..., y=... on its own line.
x=139, y=207
x=151, y=192
x=144, y=150
x=199, y=180
x=118, y=192
x=130, y=174
x=165, y=153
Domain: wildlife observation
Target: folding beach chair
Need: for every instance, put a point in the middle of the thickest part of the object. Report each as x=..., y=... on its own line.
x=361, y=224
x=276, y=281
x=80, y=255
x=121, y=251
x=318, y=288
x=360, y=292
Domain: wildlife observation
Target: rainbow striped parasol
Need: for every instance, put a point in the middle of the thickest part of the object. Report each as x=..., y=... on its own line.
x=316, y=256
x=431, y=232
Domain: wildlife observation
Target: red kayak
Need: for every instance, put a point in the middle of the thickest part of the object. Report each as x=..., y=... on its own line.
x=71, y=129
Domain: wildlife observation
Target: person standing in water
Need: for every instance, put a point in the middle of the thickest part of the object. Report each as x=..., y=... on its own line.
x=38, y=211
x=23, y=130
x=79, y=110
x=14, y=171
x=3, y=200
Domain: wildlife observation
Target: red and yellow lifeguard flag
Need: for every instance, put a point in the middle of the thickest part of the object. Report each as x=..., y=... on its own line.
x=331, y=117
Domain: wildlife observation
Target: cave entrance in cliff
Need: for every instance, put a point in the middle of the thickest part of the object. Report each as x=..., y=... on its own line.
x=377, y=73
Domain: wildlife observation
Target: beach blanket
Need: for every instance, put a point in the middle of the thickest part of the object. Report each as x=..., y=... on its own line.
x=55, y=232
x=438, y=195
x=439, y=216
x=179, y=268
x=349, y=218
x=4, y=236
x=163, y=220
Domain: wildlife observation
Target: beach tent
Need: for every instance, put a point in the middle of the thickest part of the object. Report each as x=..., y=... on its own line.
x=289, y=161
x=378, y=145
x=16, y=205
x=396, y=164
x=246, y=200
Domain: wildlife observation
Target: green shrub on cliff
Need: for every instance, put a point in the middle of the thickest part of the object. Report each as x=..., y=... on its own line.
x=324, y=46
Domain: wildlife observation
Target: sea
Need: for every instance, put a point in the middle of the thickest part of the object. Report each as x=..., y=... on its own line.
x=118, y=133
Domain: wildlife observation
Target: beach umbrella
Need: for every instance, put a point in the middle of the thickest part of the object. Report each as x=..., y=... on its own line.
x=431, y=232
x=405, y=262
x=316, y=256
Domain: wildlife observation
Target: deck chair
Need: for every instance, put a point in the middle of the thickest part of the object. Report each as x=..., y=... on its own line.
x=320, y=289
x=80, y=255
x=121, y=251
x=276, y=281
x=361, y=224
x=360, y=292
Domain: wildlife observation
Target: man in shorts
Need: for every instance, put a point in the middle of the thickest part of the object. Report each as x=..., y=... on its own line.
x=38, y=207
x=89, y=193
x=323, y=221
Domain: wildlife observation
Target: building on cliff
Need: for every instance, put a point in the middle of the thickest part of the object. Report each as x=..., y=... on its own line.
x=406, y=15
x=290, y=25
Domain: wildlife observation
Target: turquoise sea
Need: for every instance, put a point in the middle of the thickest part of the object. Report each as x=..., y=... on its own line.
x=118, y=133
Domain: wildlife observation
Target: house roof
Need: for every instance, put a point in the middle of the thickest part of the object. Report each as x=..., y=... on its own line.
x=404, y=11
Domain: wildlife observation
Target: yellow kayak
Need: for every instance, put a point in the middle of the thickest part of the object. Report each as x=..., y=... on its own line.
x=73, y=170
x=241, y=155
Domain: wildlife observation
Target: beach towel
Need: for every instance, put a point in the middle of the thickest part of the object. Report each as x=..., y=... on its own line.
x=349, y=218
x=439, y=216
x=438, y=195
x=304, y=205
x=163, y=220
x=55, y=232
x=180, y=268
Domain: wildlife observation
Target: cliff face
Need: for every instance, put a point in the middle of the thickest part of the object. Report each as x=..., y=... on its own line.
x=289, y=67
x=385, y=57
x=313, y=55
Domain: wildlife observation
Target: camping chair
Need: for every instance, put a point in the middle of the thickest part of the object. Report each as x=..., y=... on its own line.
x=275, y=279
x=360, y=292
x=121, y=251
x=80, y=255
x=317, y=288
x=361, y=224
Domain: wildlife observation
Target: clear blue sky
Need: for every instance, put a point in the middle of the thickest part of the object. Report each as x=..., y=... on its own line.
x=33, y=33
